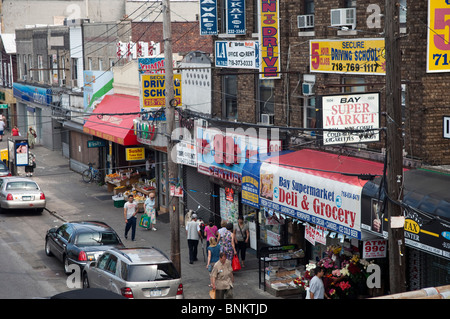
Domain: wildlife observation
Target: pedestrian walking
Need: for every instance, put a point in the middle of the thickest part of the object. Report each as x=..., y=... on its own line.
x=221, y=232
x=129, y=212
x=316, y=286
x=213, y=253
x=15, y=131
x=241, y=238
x=2, y=128
x=29, y=169
x=149, y=208
x=222, y=278
x=227, y=243
x=193, y=235
x=210, y=231
x=31, y=136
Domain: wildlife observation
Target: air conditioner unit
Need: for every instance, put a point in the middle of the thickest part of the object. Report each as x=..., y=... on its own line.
x=305, y=21
x=308, y=88
x=343, y=17
x=267, y=119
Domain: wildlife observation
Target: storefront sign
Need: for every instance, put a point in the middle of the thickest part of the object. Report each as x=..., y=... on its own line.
x=96, y=143
x=355, y=56
x=135, y=154
x=224, y=154
x=374, y=249
x=153, y=92
x=153, y=65
x=235, y=16
x=208, y=17
x=269, y=39
x=351, y=112
x=32, y=94
x=331, y=204
x=438, y=46
x=237, y=54
x=186, y=154
x=97, y=84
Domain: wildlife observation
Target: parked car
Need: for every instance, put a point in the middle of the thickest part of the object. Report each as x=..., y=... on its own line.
x=4, y=170
x=140, y=273
x=78, y=243
x=21, y=193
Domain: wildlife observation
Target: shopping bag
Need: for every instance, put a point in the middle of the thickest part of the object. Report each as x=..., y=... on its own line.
x=145, y=221
x=212, y=294
x=235, y=263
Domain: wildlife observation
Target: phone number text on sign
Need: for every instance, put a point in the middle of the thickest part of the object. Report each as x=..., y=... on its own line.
x=358, y=56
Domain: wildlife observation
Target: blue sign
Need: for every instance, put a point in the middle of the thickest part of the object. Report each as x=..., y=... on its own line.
x=208, y=17
x=236, y=16
x=32, y=94
x=221, y=53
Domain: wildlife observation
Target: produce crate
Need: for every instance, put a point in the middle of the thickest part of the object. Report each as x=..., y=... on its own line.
x=119, y=202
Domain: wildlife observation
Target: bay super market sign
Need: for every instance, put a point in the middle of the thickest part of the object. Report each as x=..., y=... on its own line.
x=311, y=198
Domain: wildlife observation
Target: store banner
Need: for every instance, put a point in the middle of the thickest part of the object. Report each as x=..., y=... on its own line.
x=250, y=184
x=224, y=154
x=236, y=16
x=32, y=94
x=269, y=38
x=135, y=154
x=351, y=112
x=355, y=56
x=438, y=46
x=208, y=17
x=152, y=65
x=97, y=84
x=324, y=202
x=237, y=54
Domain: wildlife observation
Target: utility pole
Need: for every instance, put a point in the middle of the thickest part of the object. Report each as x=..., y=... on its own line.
x=170, y=117
x=394, y=146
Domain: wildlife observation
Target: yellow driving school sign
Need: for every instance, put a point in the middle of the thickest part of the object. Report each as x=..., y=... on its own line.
x=438, y=44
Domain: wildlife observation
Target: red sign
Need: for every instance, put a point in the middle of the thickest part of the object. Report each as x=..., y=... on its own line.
x=374, y=249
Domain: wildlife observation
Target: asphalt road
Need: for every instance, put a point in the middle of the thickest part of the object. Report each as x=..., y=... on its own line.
x=32, y=274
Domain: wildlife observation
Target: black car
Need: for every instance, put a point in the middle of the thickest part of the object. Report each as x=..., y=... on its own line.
x=78, y=243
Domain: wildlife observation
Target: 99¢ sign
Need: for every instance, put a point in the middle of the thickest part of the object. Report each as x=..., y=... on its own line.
x=374, y=249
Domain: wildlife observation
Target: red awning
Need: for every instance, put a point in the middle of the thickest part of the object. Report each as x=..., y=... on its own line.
x=330, y=166
x=114, y=126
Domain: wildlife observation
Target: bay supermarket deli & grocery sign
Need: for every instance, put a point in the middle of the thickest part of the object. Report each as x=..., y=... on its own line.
x=355, y=56
x=312, y=198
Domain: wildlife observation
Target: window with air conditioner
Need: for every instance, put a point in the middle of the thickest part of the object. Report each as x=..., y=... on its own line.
x=305, y=21
x=265, y=96
x=230, y=97
x=345, y=17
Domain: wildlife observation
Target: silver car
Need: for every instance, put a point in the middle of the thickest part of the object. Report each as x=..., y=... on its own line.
x=140, y=273
x=21, y=193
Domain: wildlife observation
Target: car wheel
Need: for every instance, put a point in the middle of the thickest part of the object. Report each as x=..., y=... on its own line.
x=85, y=281
x=48, y=251
x=67, y=269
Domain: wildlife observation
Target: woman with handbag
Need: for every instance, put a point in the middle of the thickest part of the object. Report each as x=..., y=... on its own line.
x=210, y=231
x=227, y=244
x=149, y=209
x=241, y=237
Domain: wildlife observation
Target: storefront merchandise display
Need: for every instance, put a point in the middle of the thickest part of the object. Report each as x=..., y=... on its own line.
x=345, y=273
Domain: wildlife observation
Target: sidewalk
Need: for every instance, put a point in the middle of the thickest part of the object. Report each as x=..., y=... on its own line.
x=70, y=199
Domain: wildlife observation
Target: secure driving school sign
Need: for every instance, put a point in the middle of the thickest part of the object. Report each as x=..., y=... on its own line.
x=438, y=46
x=153, y=90
x=355, y=56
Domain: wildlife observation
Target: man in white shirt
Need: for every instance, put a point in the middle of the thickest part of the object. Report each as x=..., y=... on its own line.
x=129, y=212
x=193, y=235
x=316, y=287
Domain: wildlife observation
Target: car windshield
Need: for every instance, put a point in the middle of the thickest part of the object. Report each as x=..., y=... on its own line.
x=156, y=272
x=96, y=239
x=3, y=167
x=22, y=185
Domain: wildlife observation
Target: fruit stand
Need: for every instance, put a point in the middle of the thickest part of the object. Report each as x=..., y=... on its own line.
x=121, y=180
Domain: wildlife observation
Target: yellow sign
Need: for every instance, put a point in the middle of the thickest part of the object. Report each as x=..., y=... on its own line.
x=351, y=56
x=438, y=45
x=135, y=154
x=154, y=90
x=269, y=39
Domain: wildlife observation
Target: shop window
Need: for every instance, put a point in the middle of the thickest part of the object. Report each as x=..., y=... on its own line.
x=230, y=96
x=40, y=61
x=270, y=228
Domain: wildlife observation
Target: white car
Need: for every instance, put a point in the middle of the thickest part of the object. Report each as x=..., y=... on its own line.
x=21, y=193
